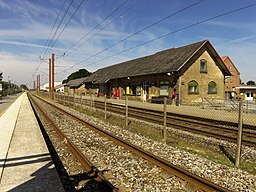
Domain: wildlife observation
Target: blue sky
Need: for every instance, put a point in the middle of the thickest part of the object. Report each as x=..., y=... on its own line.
x=25, y=26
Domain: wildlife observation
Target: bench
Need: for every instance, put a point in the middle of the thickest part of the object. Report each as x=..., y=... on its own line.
x=160, y=100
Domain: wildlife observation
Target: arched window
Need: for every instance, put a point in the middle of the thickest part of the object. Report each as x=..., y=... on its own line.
x=193, y=87
x=212, y=88
x=203, y=66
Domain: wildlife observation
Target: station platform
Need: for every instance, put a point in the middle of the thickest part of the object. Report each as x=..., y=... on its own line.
x=25, y=162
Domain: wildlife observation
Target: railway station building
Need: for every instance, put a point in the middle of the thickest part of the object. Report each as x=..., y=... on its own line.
x=189, y=73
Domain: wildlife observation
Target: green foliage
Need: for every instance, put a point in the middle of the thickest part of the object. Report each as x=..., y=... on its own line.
x=22, y=86
x=9, y=88
x=250, y=82
x=76, y=75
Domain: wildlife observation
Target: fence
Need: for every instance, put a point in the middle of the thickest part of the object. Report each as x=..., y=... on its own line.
x=226, y=113
x=248, y=106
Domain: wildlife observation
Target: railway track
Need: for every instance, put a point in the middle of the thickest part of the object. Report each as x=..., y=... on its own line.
x=212, y=128
x=84, y=161
x=167, y=166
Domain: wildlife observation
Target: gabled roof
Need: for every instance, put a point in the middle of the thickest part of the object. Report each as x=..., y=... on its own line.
x=76, y=82
x=225, y=59
x=59, y=86
x=170, y=60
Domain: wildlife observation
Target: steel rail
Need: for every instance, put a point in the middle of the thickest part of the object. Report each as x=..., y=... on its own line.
x=150, y=115
x=85, y=162
x=180, y=172
x=192, y=128
x=145, y=115
x=200, y=120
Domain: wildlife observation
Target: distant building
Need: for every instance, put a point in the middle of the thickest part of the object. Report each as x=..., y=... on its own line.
x=247, y=92
x=233, y=81
x=45, y=87
x=76, y=86
x=59, y=88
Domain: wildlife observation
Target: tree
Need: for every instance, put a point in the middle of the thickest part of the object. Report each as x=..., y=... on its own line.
x=76, y=75
x=250, y=82
x=22, y=86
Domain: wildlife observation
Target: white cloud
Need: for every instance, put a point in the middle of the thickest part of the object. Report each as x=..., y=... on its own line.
x=24, y=8
x=243, y=26
x=242, y=53
x=25, y=44
x=18, y=69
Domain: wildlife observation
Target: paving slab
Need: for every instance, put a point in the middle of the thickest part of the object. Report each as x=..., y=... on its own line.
x=7, y=125
x=28, y=165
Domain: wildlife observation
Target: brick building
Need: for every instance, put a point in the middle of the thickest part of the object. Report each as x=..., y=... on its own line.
x=233, y=81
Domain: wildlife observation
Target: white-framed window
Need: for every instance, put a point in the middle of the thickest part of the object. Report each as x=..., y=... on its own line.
x=249, y=96
x=164, y=87
x=203, y=66
x=193, y=87
x=212, y=88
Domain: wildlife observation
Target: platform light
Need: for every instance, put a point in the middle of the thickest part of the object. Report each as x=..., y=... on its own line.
x=168, y=74
x=128, y=77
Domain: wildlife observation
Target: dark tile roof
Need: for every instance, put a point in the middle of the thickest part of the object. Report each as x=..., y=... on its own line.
x=170, y=60
x=161, y=62
x=76, y=82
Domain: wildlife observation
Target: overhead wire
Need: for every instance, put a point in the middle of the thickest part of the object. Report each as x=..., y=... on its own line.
x=61, y=21
x=175, y=31
x=178, y=30
x=50, y=44
x=45, y=46
x=67, y=23
x=54, y=25
x=141, y=30
x=167, y=34
x=49, y=38
x=89, y=32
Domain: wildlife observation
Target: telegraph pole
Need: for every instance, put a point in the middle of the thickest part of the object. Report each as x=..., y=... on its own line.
x=50, y=78
x=38, y=83
x=53, y=76
x=240, y=133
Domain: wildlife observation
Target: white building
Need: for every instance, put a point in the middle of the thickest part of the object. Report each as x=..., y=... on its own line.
x=45, y=87
x=247, y=92
x=60, y=88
